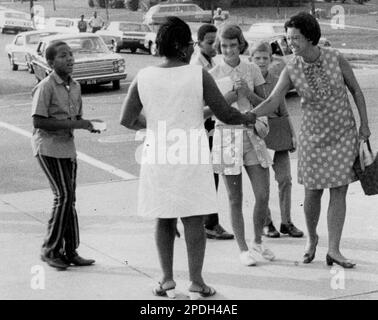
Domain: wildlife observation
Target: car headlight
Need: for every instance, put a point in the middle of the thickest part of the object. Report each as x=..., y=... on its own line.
x=121, y=65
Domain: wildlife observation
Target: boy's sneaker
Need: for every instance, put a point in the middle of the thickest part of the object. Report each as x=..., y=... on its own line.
x=270, y=231
x=247, y=259
x=263, y=251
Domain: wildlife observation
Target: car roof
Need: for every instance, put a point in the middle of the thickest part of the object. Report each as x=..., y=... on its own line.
x=63, y=18
x=26, y=33
x=14, y=11
x=127, y=22
x=268, y=24
x=176, y=4
x=70, y=35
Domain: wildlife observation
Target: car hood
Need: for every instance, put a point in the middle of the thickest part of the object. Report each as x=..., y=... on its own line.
x=90, y=56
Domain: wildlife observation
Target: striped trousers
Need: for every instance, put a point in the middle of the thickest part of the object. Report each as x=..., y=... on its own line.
x=63, y=228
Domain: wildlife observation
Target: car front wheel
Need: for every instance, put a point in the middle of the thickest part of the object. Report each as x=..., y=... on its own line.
x=116, y=84
x=14, y=66
x=30, y=68
x=152, y=49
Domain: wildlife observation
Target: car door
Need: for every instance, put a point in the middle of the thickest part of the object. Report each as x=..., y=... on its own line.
x=18, y=50
x=40, y=66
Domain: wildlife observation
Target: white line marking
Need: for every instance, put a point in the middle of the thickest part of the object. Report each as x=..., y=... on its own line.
x=15, y=105
x=81, y=156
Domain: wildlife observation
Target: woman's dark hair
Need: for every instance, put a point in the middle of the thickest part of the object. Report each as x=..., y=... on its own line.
x=231, y=31
x=173, y=35
x=307, y=25
x=204, y=29
x=52, y=50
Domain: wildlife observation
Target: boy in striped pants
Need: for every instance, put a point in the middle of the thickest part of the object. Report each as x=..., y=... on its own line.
x=56, y=112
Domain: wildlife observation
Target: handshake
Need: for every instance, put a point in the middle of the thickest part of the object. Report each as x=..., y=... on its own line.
x=249, y=119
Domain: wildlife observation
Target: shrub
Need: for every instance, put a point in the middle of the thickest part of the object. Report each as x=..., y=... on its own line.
x=132, y=4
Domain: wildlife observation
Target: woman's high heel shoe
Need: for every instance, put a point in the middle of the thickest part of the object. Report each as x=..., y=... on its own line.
x=165, y=289
x=308, y=256
x=344, y=264
x=205, y=292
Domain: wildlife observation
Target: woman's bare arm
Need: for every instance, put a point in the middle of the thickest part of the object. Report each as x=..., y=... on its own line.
x=272, y=102
x=131, y=109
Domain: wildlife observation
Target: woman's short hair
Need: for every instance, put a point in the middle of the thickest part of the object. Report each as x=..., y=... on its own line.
x=52, y=50
x=231, y=31
x=204, y=29
x=262, y=46
x=173, y=35
x=307, y=25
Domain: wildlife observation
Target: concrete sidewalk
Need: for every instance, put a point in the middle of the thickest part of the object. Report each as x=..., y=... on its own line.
x=127, y=265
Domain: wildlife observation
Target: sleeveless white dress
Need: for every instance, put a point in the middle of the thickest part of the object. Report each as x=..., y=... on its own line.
x=176, y=178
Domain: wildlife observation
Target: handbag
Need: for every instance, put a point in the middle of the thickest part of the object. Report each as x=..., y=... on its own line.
x=279, y=137
x=366, y=169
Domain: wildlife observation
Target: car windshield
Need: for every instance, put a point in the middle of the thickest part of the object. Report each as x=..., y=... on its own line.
x=131, y=27
x=35, y=38
x=17, y=15
x=63, y=23
x=90, y=44
x=284, y=46
x=279, y=29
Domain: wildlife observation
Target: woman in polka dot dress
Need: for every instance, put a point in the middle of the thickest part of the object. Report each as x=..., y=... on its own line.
x=328, y=138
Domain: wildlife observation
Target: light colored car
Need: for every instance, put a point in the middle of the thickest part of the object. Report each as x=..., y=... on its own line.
x=22, y=49
x=94, y=62
x=12, y=20
x=121, y=35
x=281, y=51
x=186, y=11
x=267, y=29
x=59, y=23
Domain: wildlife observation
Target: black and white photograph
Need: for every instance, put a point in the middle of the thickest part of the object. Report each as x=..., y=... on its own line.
x=171, y=151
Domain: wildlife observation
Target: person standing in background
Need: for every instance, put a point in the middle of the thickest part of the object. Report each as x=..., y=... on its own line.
x=261, y=55
x=96, y=22
x=82, y=24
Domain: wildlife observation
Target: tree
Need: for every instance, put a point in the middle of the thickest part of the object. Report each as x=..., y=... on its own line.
x=132, y=5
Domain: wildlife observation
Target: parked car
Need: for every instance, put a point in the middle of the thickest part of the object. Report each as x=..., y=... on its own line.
x=12, y=20
x=281, y=51
x=267, y=29
x=23, y=48
x=120, y=35
x=60, y=23
x=94, y=63
x=186, y=11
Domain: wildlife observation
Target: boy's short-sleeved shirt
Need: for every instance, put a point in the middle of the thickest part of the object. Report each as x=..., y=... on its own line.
x=268, y=86
x=52, y=98
x=199, y=59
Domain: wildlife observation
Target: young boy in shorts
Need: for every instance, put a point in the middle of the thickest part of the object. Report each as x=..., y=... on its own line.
x=261, y=55
x=56, y=112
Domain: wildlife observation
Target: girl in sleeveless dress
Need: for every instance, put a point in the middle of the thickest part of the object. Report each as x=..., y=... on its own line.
x=176, y=178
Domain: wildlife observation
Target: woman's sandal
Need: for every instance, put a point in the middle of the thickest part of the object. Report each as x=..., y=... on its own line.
x=204, y=292
x=165, y=289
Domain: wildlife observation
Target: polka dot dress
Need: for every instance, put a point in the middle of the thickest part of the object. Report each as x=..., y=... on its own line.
x=327, y=144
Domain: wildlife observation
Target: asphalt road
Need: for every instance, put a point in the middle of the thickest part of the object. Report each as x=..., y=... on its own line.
x=112, y=153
